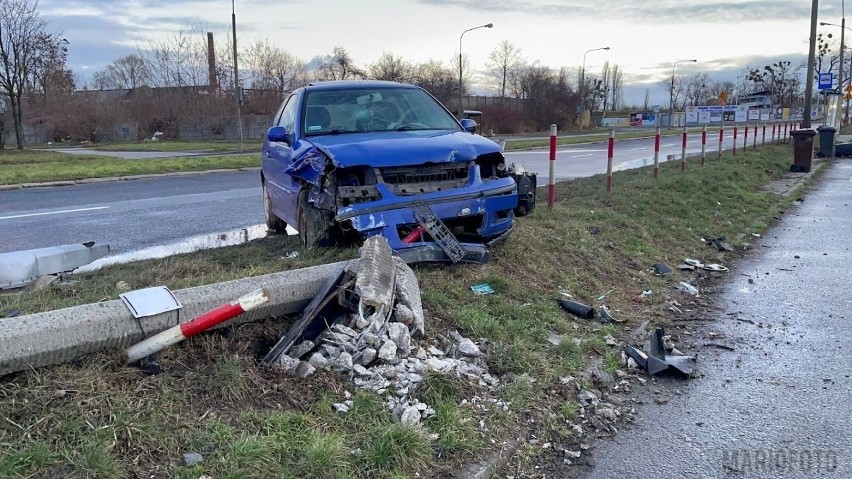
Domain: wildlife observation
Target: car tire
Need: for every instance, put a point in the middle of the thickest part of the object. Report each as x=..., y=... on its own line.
x=274, y=223
x=314, y=224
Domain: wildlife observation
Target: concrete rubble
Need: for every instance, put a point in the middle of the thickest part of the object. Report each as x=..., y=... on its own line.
x=376, y=344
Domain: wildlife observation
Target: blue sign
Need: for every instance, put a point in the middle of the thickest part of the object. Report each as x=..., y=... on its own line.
x=826, y=81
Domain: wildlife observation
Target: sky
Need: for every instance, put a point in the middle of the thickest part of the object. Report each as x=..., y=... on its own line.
x=645, y=37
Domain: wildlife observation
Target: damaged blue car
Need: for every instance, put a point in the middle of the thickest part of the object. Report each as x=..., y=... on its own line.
x=347, y=160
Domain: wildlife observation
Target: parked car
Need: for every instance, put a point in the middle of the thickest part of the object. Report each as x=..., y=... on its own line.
x=351, y=158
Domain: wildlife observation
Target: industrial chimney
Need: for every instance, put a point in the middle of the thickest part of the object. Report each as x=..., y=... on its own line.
x=211, y=63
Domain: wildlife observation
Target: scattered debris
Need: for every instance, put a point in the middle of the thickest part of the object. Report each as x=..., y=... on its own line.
x=603, y=296
x=646, y=294
x=610, y=341
x=694, y=263
x=661, y=269
x=292, y=255
x=362, y=325
x=716, y=267
x=720, y=346
x=192, y=458
x=656, y=360
x=719, y=243
x=606, y=316
x=482, y=289
x=687, y=288
x=578, y=309
x=11, y=313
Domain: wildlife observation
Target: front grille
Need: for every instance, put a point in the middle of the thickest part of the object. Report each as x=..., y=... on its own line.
x=407, y=175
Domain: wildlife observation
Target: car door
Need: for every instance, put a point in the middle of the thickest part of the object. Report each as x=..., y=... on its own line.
x=283, y=189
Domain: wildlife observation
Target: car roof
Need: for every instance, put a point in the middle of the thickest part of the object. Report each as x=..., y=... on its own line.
x=356, y=85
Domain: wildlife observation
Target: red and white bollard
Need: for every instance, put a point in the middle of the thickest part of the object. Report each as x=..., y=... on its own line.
x=703, y=144
x=745, y=138
x=721, y=138
x=202, y=323
x=763, y=138
x=551, y=186
x=657, y=154
x=754, y=140
x=610, y=154
x=683, y=150
x=785, y=131
x=734, y=151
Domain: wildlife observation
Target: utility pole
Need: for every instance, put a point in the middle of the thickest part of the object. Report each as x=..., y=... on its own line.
x=809, y=84
x=238, y=95
x=461, y=72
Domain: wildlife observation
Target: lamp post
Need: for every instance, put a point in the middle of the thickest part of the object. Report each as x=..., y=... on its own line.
x=843, y=29
x=461, y=91
x=671, y=92
x=237, y=91
x=583, y=84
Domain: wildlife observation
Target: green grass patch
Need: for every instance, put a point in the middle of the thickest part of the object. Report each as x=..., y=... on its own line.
x=28, y=166
x=98, y=418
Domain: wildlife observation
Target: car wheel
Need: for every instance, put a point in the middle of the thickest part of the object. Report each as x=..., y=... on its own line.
x=314, y=224
x=273, y=222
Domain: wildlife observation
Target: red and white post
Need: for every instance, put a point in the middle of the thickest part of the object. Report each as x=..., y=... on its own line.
x=734, y=151
x=763, y=138
x=703, y=144
x=657, y=154
x=721, y=138
x=683, y=150
x=786, y=125
x=202, y=323
x=610, y=154
x=551, y=186
x=754, y=139
x=745, y=138
x=774, y=125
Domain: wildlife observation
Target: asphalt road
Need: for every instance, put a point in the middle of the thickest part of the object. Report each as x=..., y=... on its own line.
x=778, y=406
x=133, y=215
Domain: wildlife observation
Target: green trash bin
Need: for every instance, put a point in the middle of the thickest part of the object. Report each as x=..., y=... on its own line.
x=826, y=141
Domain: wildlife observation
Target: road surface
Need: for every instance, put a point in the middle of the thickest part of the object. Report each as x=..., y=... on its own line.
x=133, y=215
x=778, y=406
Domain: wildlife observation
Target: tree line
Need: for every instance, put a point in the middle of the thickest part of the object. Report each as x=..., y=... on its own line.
x=34, y=78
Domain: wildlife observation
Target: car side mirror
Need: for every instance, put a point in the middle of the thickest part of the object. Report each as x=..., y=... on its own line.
x=277, y=134
x=468, y=125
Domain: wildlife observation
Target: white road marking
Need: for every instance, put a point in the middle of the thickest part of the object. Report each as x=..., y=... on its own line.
x=95, y=208
x=576, y=156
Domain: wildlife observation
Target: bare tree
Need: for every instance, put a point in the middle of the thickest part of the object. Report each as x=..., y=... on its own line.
x=502, y=63
x=781, y=78
x=338, y=66
x=437, y=79
x=677, y=92
x=467, y=72
x=178, y=61
x=616, y=87
x=128, y=72
x=24, y=42
x=271, y=68
x=391, y=68
x=697, y=87
x=647, y=102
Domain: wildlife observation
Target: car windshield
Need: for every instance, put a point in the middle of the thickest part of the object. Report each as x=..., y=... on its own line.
x=329, y=112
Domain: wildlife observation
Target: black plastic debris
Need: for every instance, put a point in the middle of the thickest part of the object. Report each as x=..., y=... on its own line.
x=661, y=269
x=606, y=317
x=150, y=366
x=656, y=361
x=578, y=309
x=11, y=313
x=719, y=243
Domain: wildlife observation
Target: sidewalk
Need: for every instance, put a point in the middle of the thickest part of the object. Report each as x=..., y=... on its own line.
x=778, y=404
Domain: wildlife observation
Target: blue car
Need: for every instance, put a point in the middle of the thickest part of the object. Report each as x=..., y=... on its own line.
x=350, y=159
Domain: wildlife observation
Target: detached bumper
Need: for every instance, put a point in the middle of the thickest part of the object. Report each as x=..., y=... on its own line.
x=428, y=252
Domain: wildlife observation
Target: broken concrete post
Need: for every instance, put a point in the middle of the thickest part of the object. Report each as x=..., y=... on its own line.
x=20, y=268
x=54, y=337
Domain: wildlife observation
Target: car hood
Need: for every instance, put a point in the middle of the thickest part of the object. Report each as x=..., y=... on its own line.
x=398, y=148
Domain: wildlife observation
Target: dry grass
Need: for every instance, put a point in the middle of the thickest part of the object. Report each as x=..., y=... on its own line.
x=97, y=418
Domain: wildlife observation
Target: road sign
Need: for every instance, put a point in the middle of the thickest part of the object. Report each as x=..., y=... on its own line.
x=826, y=80
x=723, y=98
x=849, y=88
x=848, y=96
x=656, y=108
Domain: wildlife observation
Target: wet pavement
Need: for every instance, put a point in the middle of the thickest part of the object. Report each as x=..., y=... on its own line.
x=778, y=406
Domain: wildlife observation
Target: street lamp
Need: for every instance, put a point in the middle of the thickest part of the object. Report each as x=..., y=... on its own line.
x=843, y=29
x=583, y=84
x=461, y=92
x=671, y=92
x=237, y=91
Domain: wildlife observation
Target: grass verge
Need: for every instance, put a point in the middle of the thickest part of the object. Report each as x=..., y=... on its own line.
x=97, y=418
x=27, y=166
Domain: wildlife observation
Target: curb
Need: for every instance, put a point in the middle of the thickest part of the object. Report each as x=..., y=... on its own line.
x=83, y=181
x=62, y=335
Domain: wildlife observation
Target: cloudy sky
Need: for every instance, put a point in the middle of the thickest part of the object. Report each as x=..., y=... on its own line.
x=645, y=36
